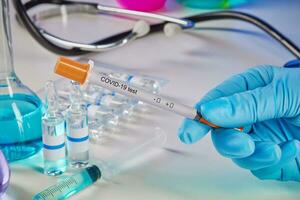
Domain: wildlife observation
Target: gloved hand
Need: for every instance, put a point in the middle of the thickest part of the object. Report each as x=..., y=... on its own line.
x=266, y=102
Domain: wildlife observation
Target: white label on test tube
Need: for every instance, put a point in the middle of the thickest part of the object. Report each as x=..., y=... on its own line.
x=140, y=94
x=78, y=140
x=54, y=147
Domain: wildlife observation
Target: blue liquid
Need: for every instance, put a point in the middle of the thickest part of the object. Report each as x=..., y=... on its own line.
x=70, y=185
x=20, y=126
x=54, y=127
x=212, y=4
x=55, y=168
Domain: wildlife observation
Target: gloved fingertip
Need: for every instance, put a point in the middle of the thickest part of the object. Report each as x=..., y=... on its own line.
x=192, y=131
x=232, y=143
x=186, y=138
x=217, y=111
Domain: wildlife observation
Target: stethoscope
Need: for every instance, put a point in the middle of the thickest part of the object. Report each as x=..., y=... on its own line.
x=169, y=25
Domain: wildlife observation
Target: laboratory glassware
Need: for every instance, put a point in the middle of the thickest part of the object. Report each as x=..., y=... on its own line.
x=83, y=73
x=77, y=129
x=20, y=108
x=4, y=174
x=105, y=170
x=54, y=130
x=70, y=185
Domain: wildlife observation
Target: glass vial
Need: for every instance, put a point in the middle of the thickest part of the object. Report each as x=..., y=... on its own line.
x=53, y=134
x=77, y=129
x=20, y=108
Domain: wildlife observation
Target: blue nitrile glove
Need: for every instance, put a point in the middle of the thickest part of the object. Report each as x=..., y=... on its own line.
x=266, y=102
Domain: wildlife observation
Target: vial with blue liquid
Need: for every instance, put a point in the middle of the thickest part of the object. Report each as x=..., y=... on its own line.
x=54, y=129
x=20, y=108
x=77, y=129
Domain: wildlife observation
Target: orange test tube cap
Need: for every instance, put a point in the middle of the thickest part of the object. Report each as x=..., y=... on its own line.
x=71, y=69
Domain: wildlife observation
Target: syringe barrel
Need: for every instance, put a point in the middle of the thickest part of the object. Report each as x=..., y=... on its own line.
x=71, y=185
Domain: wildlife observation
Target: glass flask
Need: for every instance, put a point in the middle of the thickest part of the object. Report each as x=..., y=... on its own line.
x=20, y=108
x=4, y=174
x=212, y=4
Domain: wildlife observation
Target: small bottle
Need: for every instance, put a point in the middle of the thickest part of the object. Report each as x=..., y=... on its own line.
x=146, y=83
x=102, y=120
x=119, y=104
x=103, y=115
x=77, y=129
x=54, y=130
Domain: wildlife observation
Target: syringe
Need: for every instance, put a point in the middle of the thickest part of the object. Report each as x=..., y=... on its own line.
x=82, y=73
x=70, y=185
x=102, y=170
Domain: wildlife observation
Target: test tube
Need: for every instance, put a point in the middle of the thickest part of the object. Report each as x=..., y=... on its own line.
x=83, y=72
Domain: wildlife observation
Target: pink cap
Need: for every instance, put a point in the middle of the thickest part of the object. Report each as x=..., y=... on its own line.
x=142, y=5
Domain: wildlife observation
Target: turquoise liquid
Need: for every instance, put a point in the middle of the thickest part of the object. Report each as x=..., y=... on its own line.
x=67, y=187
x=55, y=168
x=20, y=126
x=212, y=4
x=53, y=127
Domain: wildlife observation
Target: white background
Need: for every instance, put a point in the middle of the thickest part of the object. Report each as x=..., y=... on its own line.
x=193, y=63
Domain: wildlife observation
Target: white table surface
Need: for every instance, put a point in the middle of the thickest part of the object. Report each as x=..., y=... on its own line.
x=193, y=64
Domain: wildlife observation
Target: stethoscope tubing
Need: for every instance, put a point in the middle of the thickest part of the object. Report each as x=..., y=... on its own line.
x=121, y=39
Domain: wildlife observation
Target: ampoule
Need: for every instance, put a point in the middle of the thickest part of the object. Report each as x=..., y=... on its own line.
x=148, y=84
x=120, y=76
x=53, y=134
x=92, y=94
x=96, y=131
x=103, y=115
x=101, y=121
x=119, y=105
x=77, y=129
